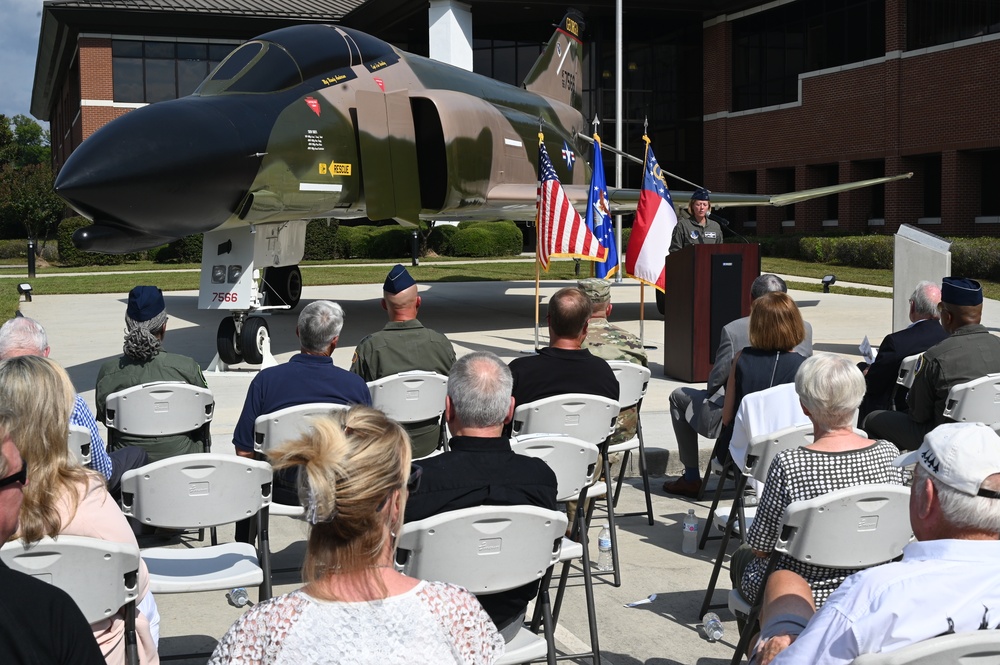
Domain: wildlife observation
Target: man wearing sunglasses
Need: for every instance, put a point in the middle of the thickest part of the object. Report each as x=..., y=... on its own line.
x=480, y=469
x=39, y=623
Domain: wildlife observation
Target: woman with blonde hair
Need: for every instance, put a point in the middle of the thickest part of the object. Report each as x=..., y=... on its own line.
x=355, y=607
x=63, y=497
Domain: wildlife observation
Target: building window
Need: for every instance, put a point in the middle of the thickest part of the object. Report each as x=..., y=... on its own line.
x=503, y=60
x=932, y=22
x=152, y=71
x=771, y=48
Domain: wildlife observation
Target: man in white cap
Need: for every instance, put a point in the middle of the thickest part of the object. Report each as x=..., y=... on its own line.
x=947, y=582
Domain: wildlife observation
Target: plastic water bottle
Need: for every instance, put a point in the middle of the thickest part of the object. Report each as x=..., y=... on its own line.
x=239, y=597
x=604, y=559
x=690, y=543
x=713, y=626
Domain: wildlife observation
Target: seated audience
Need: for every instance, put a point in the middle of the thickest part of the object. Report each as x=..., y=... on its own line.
x=564, y=366
x=480, y=469
x=355, y=607
x=775, y=329
x=923, y=332
x=63, y=497
x=39, y=623
x=830, y=388
x=969, y=352
x=694, y=411
x=145, y=361
x=404, y=344
x=22, y=336
x=947, y=582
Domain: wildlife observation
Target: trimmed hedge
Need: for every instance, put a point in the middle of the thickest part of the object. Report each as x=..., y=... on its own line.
x=353, y=241
x=482, y=239
x=322, y=240
x=69, y=255
x=976, y=257
x=184, y=250
x=439, y=239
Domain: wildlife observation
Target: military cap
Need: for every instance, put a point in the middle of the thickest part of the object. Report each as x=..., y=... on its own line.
x=398, y=280
x=961, y=291
x=700, y=194
x=144, y=303
x=960, y=455
x=598, y=290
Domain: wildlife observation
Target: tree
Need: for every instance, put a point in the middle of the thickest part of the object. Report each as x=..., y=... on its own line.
x=27, y=200
x=23, y=142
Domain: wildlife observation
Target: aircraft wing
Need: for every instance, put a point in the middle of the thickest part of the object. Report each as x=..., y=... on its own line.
x=518, y=201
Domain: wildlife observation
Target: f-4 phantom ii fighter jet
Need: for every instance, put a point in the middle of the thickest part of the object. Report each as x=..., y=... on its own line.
x=318, y=121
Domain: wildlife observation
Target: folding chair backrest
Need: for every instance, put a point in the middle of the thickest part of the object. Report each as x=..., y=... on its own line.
x=196, y=491
x=981, y=647
x=100, y=576
x=409, y=397
x=273, y=429
x=763, y=412
x=632, y=381
x=586, y=417
x=908, y=370
x=854, y=527
x=79, y=444
x=976, y=401
x=572, y=460
x=159, y=409
x=764, y=448
x=486, y=549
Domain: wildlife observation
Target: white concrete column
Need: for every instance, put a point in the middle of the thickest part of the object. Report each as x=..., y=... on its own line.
x=450, y=32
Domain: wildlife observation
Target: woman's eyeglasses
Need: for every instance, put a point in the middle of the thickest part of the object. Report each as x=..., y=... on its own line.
x=21, y=476
x=412, y=483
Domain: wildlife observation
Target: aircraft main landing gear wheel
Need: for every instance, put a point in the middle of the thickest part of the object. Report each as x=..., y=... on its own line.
x=283, y=286
x=252, y=339
x=227, y=342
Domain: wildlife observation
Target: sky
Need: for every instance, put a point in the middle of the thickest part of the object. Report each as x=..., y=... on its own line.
x=20, y=21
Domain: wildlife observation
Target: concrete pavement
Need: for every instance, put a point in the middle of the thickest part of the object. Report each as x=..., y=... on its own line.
x=86, y=330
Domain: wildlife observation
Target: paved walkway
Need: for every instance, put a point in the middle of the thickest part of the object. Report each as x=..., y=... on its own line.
x=86, y=330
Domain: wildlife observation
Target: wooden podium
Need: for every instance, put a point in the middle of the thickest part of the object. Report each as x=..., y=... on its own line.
x=707, y=286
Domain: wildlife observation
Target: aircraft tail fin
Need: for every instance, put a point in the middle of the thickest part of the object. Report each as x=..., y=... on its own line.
x=558, y=72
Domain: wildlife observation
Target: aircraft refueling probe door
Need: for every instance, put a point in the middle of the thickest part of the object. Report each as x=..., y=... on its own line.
x=388, y=155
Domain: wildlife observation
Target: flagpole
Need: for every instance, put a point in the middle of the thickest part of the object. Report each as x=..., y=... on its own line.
x=537, y=296
x=642, y=285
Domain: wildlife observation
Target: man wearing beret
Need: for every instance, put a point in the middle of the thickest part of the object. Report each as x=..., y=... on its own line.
x=608, y=341
x=145, y=362
x=696, y=228
x=969, y=352
x=403, y=345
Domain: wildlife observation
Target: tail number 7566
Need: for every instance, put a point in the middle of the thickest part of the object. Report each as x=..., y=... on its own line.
x=219, y=296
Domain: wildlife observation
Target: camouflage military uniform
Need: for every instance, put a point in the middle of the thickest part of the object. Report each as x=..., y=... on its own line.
x=610, y=342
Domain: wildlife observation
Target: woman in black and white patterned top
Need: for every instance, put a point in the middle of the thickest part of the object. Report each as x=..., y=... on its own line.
x=830, y=388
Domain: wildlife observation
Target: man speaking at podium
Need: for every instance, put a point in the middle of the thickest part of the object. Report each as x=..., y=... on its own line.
x=696, y=229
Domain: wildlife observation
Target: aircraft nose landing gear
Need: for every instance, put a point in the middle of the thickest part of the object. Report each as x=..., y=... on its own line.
x=242, y=338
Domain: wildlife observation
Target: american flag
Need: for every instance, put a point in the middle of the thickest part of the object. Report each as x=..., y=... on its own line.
x=561, y=232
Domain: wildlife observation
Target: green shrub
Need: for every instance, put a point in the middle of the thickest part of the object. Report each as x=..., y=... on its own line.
x=978, y=258
x=69, y=255
x=322, y=240
x=785, y=247
x=14, y=249
x=390, y=242
x=439, y=239
x=353, y=241
x=184, y=250
x=481, y=239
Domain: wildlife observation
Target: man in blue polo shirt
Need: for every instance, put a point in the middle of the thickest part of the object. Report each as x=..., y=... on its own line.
x=309, y=376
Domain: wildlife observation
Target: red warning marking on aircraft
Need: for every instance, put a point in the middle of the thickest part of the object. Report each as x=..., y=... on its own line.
x=380, y=83
x=312, y=103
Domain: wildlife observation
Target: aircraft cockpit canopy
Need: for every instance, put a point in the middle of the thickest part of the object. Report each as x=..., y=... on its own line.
x=284, y=58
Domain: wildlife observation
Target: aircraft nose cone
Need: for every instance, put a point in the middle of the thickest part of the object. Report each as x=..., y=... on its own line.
x=169, y=169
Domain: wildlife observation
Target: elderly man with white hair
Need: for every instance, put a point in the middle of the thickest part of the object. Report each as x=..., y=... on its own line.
x=947, y=582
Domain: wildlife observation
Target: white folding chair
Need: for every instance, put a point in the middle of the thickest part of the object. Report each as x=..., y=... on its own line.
x=632, y=382
x=489, y=549
x=273, y=429
x=79, y=444
x=411, y=397
x=589, y=418
x=737, y=520
x=981, y=647
x=762, y=412
x=100, y=576
x=904, y=378
x=575, y=463
x=976, y=401
x=161, y=408
x=194, y=492
x=854, y=527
